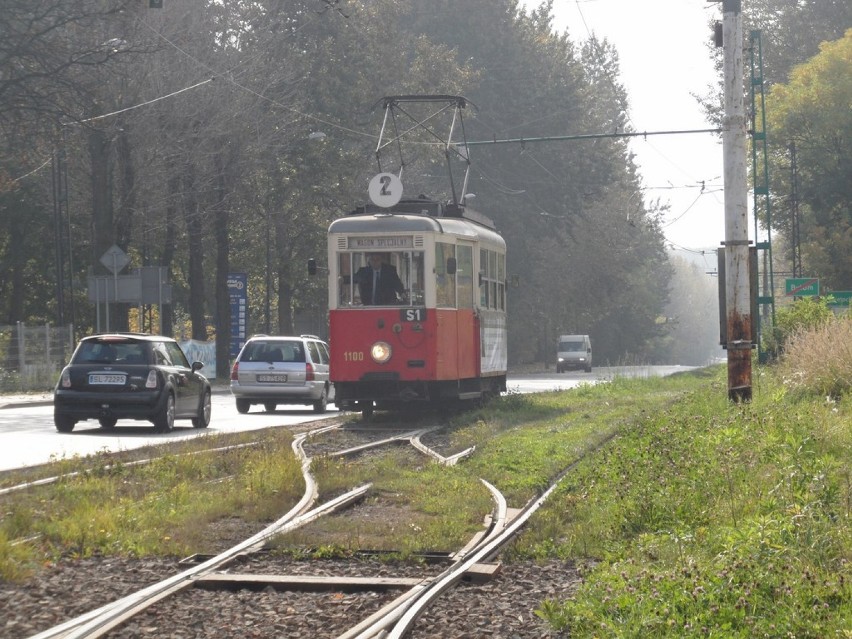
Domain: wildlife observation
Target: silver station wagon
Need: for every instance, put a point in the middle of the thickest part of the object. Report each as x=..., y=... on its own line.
x=277, y=369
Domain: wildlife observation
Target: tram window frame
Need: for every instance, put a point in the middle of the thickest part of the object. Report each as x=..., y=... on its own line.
x=445, y=283
x=484, y=300
x=410, y=267
x=492, y=265
x=492, y=269
x=501, y=281
x=464, y=276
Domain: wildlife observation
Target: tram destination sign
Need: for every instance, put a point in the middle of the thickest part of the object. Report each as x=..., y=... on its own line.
x=801, y=286
x=381, y=243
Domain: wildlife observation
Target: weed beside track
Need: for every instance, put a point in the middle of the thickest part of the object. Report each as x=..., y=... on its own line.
x=686, y=514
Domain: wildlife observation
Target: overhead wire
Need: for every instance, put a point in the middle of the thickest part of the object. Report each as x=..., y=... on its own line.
x=677, y=166
x=226, y=77
x=35, y=170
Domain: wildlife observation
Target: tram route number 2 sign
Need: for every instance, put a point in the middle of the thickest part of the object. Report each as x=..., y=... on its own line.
x=385, y=190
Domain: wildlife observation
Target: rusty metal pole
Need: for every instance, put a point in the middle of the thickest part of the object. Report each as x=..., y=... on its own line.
x=737, y=281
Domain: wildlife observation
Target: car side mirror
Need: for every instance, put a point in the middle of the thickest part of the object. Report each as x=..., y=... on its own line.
x=197, y=366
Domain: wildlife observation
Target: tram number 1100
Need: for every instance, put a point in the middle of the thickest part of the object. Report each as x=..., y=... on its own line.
x=353, y=356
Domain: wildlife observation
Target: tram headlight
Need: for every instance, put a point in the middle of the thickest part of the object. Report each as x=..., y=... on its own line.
x=381, y=352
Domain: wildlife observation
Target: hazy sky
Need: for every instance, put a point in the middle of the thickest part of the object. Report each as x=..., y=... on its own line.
x=664, y=60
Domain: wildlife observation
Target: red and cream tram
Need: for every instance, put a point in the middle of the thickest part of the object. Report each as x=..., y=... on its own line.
x=437, y=333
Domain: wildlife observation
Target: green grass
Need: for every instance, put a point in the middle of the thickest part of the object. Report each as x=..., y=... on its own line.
x=415, y=505
x=714, y=519
x=688, y=515
x=160, y=508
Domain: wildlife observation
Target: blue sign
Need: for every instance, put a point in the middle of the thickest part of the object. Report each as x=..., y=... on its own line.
x=238, y=295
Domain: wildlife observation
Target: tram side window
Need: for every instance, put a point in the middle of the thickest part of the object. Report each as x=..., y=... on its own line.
x=492, y=283
x=346, y=291
x=492, y=286
x=410, y=268
x=501, y=282
x=465, y=276
x=483, y=279
x=445, y=284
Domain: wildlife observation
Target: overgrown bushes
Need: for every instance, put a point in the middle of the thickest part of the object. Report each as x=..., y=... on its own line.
x=803, y=314
x=817, y=349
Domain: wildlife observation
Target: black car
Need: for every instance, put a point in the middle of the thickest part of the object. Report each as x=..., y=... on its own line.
x=130, y=376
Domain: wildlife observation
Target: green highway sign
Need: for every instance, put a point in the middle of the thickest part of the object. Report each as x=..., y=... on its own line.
x=841, y=298
x=801, y=286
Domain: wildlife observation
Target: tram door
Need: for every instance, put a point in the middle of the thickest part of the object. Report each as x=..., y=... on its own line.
x=467, y=322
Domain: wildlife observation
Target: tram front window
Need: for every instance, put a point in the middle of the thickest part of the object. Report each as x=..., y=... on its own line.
x=393, y=278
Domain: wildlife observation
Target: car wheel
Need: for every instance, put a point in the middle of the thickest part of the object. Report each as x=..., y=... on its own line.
x=243, y=406
x=588, y=369
x=107, y=423
x=64, y=423
x=366, y=410
x=321, y=404
x=202, y=420
x=165, y=421
x=270, y=406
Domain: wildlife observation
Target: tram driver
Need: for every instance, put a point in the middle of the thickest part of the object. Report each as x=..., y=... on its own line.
x=378, y=282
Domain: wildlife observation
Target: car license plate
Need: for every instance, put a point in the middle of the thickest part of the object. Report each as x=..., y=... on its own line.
x=272, y=378
x=106, y=378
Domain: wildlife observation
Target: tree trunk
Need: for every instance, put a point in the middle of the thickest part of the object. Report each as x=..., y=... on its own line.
x=103, y=218
x=126, y=211
x=195, y=246
x=16, y=261
x=285, y=290
x=223, y=306
x=170, y=245
x=103, y=231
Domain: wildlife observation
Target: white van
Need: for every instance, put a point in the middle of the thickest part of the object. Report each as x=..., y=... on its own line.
x=574, y=352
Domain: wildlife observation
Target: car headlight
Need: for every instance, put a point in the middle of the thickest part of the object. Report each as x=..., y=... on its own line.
x=380, y=352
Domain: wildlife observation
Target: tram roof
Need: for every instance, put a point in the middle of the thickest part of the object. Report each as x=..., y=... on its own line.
x=412, y=215
x=418, y=215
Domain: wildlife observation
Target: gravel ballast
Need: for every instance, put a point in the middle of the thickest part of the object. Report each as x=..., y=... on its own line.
x=501, y=608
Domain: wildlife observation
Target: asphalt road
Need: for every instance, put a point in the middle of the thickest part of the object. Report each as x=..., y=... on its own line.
x=29, y=438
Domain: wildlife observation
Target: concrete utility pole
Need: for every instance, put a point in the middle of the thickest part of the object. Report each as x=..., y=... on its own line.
x=737, y=280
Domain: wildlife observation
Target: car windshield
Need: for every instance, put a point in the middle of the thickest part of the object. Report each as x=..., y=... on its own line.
x=570, y=346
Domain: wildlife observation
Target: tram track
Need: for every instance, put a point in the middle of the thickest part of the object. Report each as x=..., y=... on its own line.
x=99, y=622
x=395, y=616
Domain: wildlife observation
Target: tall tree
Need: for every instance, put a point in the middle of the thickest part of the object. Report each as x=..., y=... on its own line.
x=792, y=30
x=554, y=201
x=48, y=51
x=811, y=114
